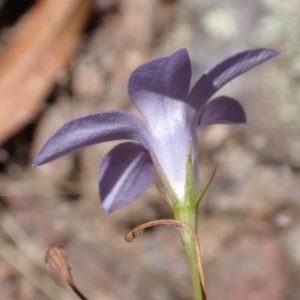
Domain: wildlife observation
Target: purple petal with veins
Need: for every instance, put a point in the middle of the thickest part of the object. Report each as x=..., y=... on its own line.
x=228, y=69
x=125, y=173
x=159, y=89
x=93, y=129
x=222, y=110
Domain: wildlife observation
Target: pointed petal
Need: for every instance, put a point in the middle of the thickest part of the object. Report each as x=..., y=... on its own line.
x=159, y=90
x=160, y=87
x=222, y=110
x=225, y=71
x=125, y=173
x=93, y=129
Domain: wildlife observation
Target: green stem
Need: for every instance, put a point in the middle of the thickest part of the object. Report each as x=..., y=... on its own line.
x=188, y=215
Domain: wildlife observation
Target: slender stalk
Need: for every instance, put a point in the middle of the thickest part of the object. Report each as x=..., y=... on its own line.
x=188, y=215
x=199, y=293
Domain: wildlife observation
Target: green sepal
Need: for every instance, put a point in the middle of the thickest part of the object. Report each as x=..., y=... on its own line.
x=189, y=188
x=186, y=210
x=204, y=190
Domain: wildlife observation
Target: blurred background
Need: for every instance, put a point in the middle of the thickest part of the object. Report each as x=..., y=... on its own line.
x=63, y=59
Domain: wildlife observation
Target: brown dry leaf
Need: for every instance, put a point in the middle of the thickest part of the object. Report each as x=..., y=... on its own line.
x=57, y=259
x=42, y=45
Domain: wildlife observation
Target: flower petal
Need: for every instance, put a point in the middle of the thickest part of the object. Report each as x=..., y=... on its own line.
x=125, y=173
x=225, y=71
x=160, y=87
x=159, y=90
x=222, y=110
x=93, y=129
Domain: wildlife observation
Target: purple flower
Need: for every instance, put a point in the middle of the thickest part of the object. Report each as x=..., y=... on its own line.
x=160, y=90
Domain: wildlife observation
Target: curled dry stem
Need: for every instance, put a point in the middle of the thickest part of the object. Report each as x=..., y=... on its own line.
x=131, y=236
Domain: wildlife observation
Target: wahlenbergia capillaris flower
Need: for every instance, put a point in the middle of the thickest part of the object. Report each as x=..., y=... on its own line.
x=160, y=90
x=166, y=142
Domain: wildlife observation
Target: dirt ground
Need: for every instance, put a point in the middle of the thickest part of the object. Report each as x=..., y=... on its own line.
x=249, y=224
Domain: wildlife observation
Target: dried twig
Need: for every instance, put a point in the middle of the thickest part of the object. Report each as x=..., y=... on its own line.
x=129, y=237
